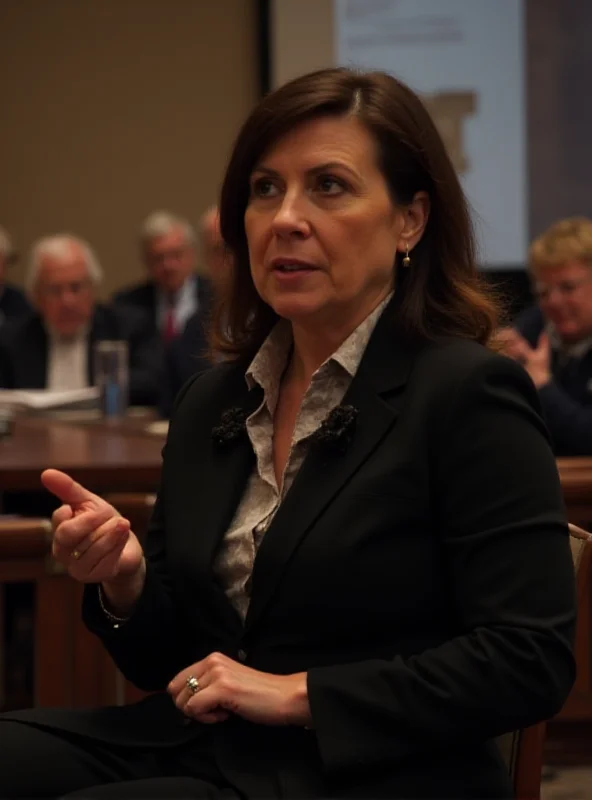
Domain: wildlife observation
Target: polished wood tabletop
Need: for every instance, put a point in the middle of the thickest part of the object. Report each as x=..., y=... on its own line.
x=104, y=456
x=126, y=456
x=575, y=464
x=576, y=482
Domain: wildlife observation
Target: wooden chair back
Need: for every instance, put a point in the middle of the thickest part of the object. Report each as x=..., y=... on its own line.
x=522, y=751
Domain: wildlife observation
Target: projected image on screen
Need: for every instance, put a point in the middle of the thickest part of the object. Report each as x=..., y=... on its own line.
x=466, y=60
x=449, y=111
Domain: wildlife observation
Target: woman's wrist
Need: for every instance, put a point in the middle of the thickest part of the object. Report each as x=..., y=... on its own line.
x=120, y=595
x=298, y=708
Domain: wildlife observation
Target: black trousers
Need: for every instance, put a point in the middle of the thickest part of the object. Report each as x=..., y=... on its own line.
x=37, y=762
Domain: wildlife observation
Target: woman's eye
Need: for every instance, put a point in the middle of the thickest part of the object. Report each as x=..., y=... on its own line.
x=263, y=187
x=327, y=184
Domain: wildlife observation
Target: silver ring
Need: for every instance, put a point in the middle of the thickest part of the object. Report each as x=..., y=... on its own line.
x=192, y=684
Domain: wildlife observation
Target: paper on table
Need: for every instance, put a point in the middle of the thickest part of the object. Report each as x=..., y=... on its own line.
x=39, y=399
x=158, y=428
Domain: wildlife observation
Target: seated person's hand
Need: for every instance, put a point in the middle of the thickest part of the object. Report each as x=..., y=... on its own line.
x=535, y=360
x=512, y=344
x=92, y=541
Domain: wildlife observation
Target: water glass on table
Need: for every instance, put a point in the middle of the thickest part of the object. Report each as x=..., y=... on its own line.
x=112, y=377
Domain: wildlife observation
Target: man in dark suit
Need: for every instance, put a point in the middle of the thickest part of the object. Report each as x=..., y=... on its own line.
x=13, y=303
x=189, y=353
x=52, y=347
x=553, y=340
x=185, y=356
x=173, y=292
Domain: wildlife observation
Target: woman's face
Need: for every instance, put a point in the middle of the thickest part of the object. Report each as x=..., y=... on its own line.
x=321, y=227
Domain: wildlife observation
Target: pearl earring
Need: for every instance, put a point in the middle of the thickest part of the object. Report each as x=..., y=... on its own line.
x=406, y=258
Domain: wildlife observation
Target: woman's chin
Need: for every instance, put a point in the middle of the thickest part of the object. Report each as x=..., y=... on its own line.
x=296, y=309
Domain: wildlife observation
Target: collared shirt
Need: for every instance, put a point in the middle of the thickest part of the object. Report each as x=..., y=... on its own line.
x=67, y=362
x=575, y=350
x=184, y=302
x=233, y=564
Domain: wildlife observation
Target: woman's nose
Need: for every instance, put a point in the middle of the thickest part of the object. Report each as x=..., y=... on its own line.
x=290, y=218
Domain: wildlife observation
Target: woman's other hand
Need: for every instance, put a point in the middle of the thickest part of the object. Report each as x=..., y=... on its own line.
x=226, y=687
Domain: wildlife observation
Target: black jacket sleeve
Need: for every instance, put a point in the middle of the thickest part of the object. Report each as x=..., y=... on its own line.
x=151, y=646
x=498, y=511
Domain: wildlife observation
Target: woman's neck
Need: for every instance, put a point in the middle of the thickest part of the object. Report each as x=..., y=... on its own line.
x=310, y=351
x=314, y=343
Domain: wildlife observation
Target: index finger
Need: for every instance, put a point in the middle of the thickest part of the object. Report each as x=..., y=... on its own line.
x=65, y=488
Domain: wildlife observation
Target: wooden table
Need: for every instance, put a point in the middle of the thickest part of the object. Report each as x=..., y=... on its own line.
x=576, y=482
x=103, y=456
x=73, y=669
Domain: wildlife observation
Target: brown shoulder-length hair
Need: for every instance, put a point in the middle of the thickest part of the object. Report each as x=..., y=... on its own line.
x=441, y=294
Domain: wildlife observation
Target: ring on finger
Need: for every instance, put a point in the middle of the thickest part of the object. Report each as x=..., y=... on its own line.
x=192, y=684
x=76, y=554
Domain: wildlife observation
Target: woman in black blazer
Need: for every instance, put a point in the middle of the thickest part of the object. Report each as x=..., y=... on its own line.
x=358, y=570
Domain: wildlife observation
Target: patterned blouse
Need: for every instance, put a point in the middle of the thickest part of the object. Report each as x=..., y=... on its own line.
x=234, y=561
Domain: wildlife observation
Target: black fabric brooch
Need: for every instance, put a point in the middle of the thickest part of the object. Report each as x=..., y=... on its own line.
x=334, y=434
x=336, y=431
x=232, y=425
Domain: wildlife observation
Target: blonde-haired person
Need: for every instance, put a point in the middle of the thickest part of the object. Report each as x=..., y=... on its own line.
x=553, y=339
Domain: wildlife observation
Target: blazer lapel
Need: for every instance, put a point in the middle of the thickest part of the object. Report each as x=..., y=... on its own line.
x=383, y=372
x=221, y=478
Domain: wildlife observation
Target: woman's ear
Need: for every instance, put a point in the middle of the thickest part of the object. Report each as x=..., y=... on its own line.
x=415, y=219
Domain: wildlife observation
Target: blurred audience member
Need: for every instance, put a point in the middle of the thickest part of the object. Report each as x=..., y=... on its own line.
x=52, y=347
x=189, y=352
x=172, y=292
x=214, y=251
x=553, y=340
x=13, y=302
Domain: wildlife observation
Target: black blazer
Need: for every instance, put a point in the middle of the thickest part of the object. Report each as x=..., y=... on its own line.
x=13, y=303
x=567, y=399
x=422, y=578
x=24, y=346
